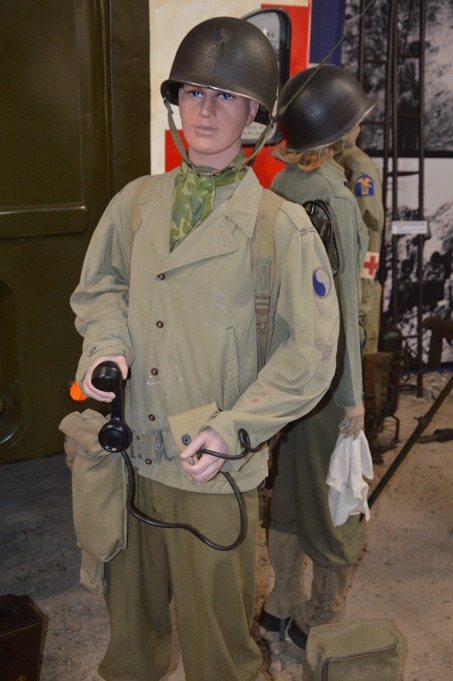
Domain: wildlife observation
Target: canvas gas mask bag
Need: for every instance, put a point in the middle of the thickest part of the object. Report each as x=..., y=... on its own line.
x=99, y=489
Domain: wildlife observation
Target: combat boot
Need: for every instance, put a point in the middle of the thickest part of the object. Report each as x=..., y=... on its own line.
x=326, y=603
x=286, y=558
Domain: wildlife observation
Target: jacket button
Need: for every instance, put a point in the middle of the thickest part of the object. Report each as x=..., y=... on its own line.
x=148, y=461
x=186, y=440
x=154, y=372
x=159, y=325
x=161, y=276
x=151, y=417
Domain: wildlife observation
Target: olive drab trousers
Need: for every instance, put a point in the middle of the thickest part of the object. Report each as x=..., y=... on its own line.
x=214, y=635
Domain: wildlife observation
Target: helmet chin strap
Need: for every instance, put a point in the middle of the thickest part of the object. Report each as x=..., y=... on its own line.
x=207, y=170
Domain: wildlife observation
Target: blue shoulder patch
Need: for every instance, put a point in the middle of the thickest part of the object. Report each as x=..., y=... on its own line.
x=364, y=186
x=322, y=282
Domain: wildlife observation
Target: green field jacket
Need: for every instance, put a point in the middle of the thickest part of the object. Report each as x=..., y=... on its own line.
x=186, y=323
x=328, y=183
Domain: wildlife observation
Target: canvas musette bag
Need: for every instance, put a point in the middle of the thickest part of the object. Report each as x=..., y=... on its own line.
x=366, y=650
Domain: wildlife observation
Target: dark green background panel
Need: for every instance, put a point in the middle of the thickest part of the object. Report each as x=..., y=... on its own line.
x=70, y=138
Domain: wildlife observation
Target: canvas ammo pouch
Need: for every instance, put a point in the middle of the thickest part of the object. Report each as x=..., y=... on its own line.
x=364, y=650
x=99, y=489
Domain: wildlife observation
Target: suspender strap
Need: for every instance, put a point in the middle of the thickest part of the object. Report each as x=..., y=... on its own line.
x=263, y=265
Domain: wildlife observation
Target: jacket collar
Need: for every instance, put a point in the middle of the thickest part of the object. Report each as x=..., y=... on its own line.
x=332, y=167
x=215, y=234
x=243, y=206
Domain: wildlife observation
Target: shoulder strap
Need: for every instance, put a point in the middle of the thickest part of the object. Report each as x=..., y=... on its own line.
x=263, y=265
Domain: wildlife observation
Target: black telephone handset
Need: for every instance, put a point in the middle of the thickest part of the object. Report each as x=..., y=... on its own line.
x=114, y=436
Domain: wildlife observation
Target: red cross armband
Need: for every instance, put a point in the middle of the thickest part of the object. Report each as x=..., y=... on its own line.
x=370, y=265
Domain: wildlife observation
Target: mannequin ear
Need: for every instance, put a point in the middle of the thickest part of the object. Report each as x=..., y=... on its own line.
x=253, y=110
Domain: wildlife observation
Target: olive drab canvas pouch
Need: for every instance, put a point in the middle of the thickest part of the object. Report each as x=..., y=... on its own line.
x=99, y=489
x=363, y=650
x=186, y=425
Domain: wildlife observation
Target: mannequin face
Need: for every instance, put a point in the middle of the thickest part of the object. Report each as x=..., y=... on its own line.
x=213, y=122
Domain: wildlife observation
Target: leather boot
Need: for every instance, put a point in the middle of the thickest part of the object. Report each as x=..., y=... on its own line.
x=286, y=558
x=326, y=603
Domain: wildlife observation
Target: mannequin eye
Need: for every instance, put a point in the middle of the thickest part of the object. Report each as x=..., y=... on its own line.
x=191, y=91
x=226, y=96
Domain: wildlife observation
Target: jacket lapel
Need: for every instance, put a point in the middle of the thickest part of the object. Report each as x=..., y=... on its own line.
x=214, y=236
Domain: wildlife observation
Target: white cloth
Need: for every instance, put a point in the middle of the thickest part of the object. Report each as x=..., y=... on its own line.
x=348, y=491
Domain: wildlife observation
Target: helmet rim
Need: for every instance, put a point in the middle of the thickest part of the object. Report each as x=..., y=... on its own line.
x=230, y=55
x=308, y=122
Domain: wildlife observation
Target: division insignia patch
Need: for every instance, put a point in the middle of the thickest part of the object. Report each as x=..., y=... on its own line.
x=322, y=282
x=364, y=186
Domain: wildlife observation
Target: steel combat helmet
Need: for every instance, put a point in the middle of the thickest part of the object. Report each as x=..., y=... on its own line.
x=320, y=105
x=227, y=54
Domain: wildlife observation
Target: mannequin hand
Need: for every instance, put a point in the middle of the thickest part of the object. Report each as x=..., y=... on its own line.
x=88, y=388
x=207, y=467
x=354, y=418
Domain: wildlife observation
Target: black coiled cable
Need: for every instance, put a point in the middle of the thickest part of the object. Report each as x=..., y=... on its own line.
x=115, y=436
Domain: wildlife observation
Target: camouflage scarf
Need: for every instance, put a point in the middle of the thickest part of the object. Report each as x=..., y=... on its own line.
x=194, y=195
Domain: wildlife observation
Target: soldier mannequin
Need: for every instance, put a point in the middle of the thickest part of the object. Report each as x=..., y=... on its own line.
x=319, y=110
x=365, y=183
x=179, y=311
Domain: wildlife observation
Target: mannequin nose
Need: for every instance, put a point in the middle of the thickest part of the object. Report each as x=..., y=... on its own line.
x=208, y=106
